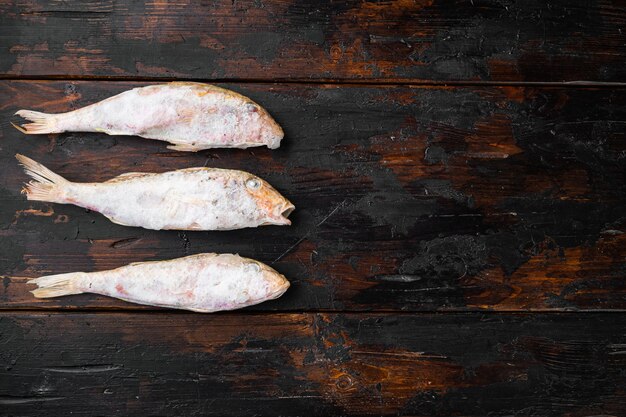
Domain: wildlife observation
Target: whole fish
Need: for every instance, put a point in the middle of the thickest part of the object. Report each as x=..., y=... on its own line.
x=190, y=116
x=186, y=199
x=205, y=283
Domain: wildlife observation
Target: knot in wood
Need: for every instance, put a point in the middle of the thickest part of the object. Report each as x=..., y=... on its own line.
x=344, y=382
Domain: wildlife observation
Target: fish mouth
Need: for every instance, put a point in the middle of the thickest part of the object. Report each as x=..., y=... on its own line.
x=281, y=289
x=274, y=141
x=277, y=284
x=287, y=210
x=280, y=218
x=274, y=136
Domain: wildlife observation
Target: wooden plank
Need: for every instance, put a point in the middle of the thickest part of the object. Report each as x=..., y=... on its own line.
x=427, y=40
x=312, y=364
x=407, y=198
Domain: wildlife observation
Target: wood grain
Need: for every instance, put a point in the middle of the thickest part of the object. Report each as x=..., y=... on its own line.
x=419, y=199
x=426, y=40
x=312, y=364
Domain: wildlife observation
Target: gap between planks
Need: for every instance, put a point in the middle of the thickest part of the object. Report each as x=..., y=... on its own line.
x=363, y=82
x=243, y=313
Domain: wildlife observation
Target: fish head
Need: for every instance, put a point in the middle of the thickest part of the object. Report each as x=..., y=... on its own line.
x=263, y=282
x=271, y=207
x=275, y=284
x=270, y=132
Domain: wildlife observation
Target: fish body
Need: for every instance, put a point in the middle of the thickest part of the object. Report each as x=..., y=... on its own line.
x=186, y=199
x=190, y=116
x=204, y=283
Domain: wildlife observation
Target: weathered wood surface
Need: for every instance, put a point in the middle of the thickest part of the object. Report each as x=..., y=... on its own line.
x=419, y=199
x=428, y=40
x=312, y=365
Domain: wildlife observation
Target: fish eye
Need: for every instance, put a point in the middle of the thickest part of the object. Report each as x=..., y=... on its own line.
x=253, y=267
x=253, y=183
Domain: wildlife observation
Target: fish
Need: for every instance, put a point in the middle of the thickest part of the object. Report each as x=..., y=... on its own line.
x=185, y=199
x=204, y=283
x=190, y=116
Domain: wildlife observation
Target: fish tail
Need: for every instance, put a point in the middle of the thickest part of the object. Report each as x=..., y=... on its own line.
x=57, y=285
x=46, y=185
x=41, y=122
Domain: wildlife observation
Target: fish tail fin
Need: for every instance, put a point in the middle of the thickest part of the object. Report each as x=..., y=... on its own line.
x=46, y=185
x=57, y=285
x=41, y=122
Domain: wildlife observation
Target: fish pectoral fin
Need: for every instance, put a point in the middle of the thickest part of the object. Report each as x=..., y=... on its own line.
x=195, y=201
x=114, y=220
x=112, y=132
x=186, y=115
x=185, y=147
x=194, y=226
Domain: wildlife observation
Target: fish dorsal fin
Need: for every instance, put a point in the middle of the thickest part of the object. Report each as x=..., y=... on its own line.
x=203, y=89
x=207, y=255
x=128, y=175
x=197, y=169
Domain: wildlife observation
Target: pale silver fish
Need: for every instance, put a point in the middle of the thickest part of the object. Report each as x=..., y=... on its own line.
x=190, y=116
x=205, y=283
x=186, y=199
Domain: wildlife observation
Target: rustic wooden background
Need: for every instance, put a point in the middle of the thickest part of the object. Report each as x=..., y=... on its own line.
x=458, y=246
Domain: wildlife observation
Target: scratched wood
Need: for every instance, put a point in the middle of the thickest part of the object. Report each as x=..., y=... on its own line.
x=420, y=199
x=313, y=364
x=428, y=40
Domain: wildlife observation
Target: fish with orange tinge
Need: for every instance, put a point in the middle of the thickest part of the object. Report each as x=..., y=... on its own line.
x=204, y=283
x=185, y=199
x=190, y=116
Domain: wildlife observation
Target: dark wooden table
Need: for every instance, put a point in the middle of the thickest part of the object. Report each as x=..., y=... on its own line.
x=458, y=247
